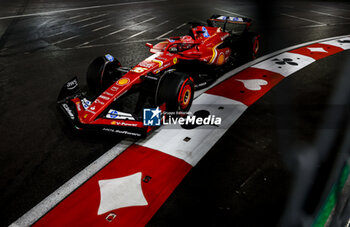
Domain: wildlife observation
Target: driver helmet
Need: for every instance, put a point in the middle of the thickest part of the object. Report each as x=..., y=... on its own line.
x=186, y=43
x=187, y=39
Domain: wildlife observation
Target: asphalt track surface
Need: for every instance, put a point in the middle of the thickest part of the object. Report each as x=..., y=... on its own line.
x=242, y=181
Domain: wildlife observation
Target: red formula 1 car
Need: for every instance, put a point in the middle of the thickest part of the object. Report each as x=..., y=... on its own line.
x=167, y=79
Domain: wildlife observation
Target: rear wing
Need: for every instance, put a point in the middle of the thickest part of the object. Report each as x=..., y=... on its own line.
x=234, y=20
x=229, y=23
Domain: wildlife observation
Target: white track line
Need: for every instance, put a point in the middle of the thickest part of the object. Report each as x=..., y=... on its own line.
x=226, y=11
x=100, y=28
x=332, y=8
x=304, y=19
x=112, y=44
x=61, y=32
x=78, y=9
x=74, y=17
x=168, y=32
x=57, y=196
x=115, y=32
x=64, y=40
x=89, y=18
x=181, y=25
x=328, y=14
x=140, y=15
x=58, y=33
x=312, y=26
x=132, y=18
x=96, y=22
x=141, y=32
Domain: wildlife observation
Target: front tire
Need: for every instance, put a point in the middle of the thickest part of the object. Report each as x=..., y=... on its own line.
x=102, y=73
x=176, y=90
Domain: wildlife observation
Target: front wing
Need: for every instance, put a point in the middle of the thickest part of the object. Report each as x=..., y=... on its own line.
x=73, y=104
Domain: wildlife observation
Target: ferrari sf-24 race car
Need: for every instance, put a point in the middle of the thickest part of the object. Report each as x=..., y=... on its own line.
x=165, y=80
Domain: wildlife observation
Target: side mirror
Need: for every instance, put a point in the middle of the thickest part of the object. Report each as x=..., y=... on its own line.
x=149, y=45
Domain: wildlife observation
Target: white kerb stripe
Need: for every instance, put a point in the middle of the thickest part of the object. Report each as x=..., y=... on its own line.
x=191, y=145
x=343, y=43
x=285, y=64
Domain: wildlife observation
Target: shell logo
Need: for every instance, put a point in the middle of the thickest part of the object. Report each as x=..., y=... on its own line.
x=138, y=70
x=113, y=123
x=175, y=60
x=123, y=81
x=221, y=59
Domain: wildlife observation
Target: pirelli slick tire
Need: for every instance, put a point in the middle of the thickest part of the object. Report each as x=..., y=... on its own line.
x=101, y=73
x=176, y=90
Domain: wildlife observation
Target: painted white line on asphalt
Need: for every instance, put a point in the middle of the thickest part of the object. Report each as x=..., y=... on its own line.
x=168, y=32
x=304, y=19
x=115, y=32
x=258, y=170
x=312, y=26
x=140, y=15
x=96, y=22
x=56, y=197
x=64, y=40
x=141, y=32
x=319, y=25
x=78, y=9
x=52, y=200
x=181, y=25
x=332, y=8
x=111, y=44
x=100, y=28
x=103, y=27
x=226, y=11
x=164, y=34
x=55, y=34
x=328, y=14
x=74, y=17
x=89, y=18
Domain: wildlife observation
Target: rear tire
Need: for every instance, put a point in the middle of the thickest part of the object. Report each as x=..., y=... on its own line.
x=101, y=74
x=176, y=90
x=250, y=47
